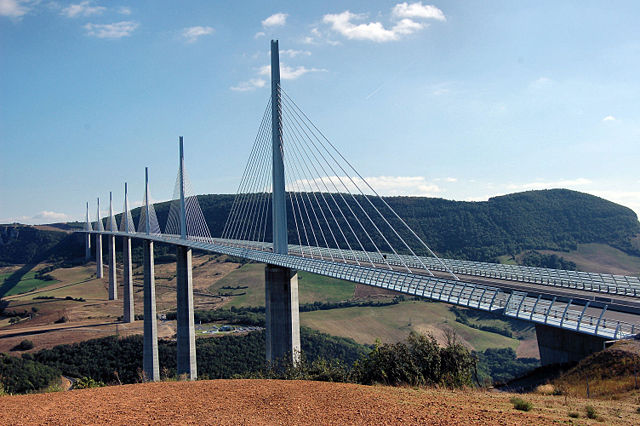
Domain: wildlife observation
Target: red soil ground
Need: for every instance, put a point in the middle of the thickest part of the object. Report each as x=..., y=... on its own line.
x=283, y=402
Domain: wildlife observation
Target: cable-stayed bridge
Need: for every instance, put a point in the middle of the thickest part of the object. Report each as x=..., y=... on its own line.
x=301, y=205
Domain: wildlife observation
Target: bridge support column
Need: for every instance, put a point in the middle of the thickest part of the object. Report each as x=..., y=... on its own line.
x=282, y=314
x=559, y=346
x=128, y=312
x=186, y=337
x=99, y=266
x=113, y=280
x=87, y=247
x=150, y=363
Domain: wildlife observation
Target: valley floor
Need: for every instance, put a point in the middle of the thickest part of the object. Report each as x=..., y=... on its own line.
x=299, y=402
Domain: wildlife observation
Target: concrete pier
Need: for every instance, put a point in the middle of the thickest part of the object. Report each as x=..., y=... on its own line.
x=99, y=266
x=113, y=280
x=128, y=312
x=87, y=237
x=559, y=346
x=150, y=363
x=186, y=337
x=87, y=247
x=282, y=314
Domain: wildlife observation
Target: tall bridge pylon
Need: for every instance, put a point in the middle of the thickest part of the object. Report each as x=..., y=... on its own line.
x=281, y=284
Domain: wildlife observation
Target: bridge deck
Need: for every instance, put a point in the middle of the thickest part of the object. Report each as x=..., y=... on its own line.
x=544, y=309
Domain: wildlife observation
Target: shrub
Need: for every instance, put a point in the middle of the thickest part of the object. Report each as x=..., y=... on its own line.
x=574, y=415
x=61, y=320
x=521, y=404
x=591, y=412
x=86, y=383
x=418, y=361
x=25, y=345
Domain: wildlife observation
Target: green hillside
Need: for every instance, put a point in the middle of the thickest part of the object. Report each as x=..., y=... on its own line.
x=557, y=219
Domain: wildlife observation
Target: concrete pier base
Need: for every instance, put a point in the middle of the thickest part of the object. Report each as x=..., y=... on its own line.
x=150, y=363
x=558, y=346
x=99, y=266
x=186, y=337
x=282, y=314
x=87, y=247
x=113, y=279
x=128, y=312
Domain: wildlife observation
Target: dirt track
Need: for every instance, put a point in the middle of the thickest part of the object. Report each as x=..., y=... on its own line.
x=271, y=402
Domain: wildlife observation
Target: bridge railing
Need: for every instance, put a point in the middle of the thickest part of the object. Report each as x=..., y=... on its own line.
x=575, y=280
x=512, y=304
x=588, y=281
x=564, y=315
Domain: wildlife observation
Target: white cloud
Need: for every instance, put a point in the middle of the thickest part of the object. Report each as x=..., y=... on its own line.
x=383, y=185
x=259, y=34
x=112, y=31
x=568, y=183
x=342, y=24
x=14, y=8
x=405, y=15
x=82, y=9
x=407, y=26
x=191, y=34
x=417, y=10
x=275, y=20
x=293, y=53
x=124, y=10
x=249, y=85
x=39, y=218
x=372, y=31
x=609, y=118
x=289, y=73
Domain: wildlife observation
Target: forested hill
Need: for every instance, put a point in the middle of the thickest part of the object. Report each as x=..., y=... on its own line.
x=550, y=219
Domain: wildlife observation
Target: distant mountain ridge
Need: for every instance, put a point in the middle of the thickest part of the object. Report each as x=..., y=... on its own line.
x=556, y=219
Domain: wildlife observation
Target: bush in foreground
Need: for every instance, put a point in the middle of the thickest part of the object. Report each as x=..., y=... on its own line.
x=87, y=383
x=521, y=404
x=418, y=361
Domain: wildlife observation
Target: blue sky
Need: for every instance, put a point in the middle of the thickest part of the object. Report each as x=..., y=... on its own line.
x=452, y=99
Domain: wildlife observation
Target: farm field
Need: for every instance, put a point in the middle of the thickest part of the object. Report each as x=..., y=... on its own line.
x=25, y=283
x=393, y=323
x=601, y=258
x=82, y=300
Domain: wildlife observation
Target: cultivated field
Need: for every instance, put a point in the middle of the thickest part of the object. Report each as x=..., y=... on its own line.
x=601, y=258
x=393, y=323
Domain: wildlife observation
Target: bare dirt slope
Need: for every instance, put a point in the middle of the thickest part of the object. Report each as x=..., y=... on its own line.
x=287, y=402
